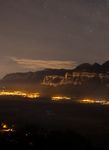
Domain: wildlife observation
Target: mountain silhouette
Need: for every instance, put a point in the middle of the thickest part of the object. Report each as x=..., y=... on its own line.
x=81, y=82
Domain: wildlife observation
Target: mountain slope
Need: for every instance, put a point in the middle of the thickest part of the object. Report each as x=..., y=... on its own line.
x=92, y=79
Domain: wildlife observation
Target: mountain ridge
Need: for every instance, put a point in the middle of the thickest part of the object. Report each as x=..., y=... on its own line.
x=96, y=67
x=85, y=79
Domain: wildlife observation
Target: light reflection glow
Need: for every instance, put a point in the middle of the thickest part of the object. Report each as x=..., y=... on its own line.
x=58, y=98
x=19, y=93
x=94, y=101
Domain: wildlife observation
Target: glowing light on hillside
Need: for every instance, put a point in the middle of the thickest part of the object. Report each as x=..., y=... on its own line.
x=19, y=93
x=58, y=98
x=4, y=126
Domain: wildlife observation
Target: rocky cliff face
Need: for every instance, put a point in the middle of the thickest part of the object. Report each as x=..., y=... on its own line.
x=29, y=80
x=81, y=75
x=85, y=80
x=76, y=79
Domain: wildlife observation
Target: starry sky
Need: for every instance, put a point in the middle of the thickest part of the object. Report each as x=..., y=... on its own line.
x=37, y=34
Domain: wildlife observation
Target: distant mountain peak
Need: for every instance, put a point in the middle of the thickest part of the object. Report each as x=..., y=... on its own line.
x=83, y=67
x=106, y=63
x=96, y=67
x=96, y=64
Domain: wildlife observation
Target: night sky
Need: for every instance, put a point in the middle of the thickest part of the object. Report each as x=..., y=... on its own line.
x=37, y=34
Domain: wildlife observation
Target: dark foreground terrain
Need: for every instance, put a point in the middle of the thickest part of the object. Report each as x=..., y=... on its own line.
x=54, y=125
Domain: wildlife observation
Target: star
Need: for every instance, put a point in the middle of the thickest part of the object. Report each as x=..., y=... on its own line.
x=45, y=4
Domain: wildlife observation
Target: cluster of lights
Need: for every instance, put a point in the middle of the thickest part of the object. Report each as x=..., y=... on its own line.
x=92, y=101
x=5, y=128
x=19, y=93
x=58, y=98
